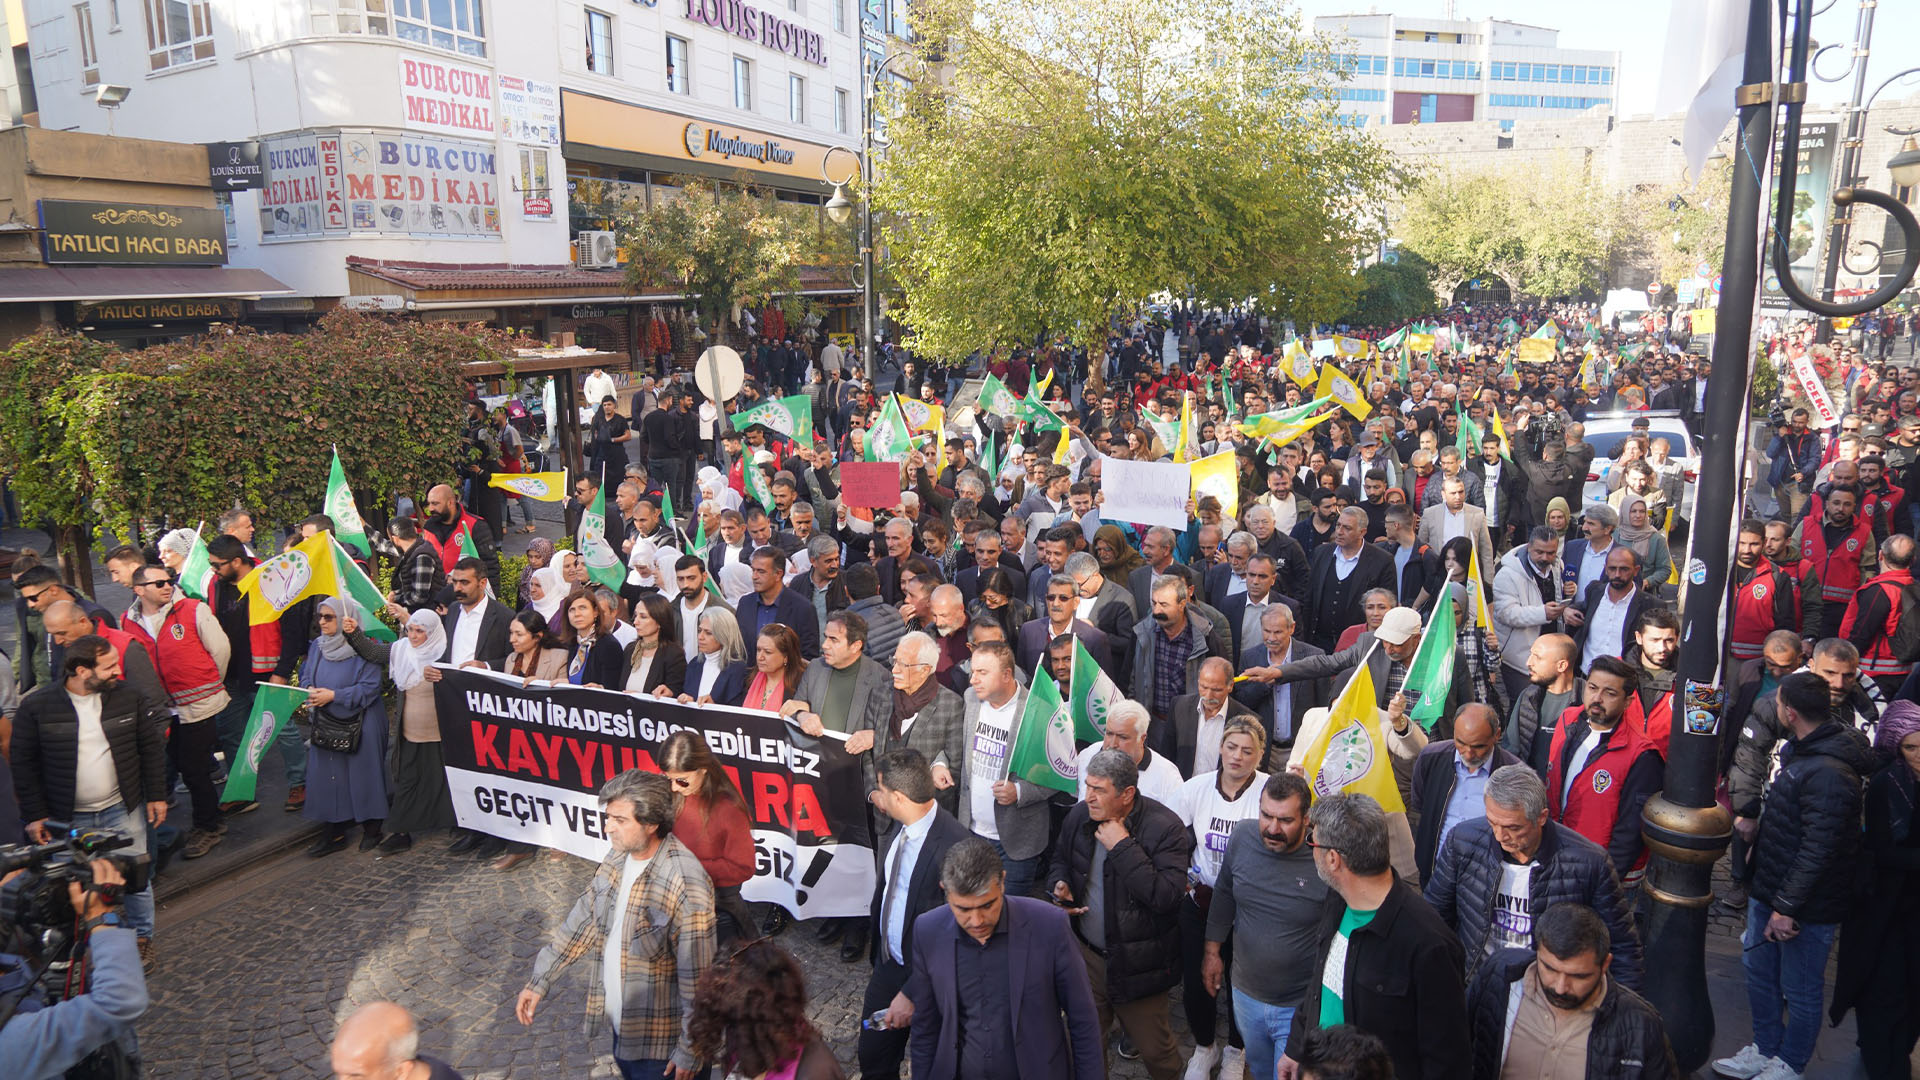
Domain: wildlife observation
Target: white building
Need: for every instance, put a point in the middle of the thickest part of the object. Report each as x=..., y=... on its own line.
x=446, y=135
x=1407, y=70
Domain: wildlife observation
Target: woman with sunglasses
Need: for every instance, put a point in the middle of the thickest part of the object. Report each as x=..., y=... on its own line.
x=345, y=788
x=713, y=824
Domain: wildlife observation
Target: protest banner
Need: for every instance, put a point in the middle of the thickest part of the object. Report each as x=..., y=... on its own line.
x=525, y=763
x=1148, y=492
x=1820, y=403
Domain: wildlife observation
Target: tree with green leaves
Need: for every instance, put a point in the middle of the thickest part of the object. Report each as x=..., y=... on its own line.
x=1393, y=293
x=1062, y=159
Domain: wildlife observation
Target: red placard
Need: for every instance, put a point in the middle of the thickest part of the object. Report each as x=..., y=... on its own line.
x=869, y=483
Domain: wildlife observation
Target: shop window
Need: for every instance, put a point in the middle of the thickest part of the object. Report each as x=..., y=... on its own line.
x=592, y=336
x=178, y=32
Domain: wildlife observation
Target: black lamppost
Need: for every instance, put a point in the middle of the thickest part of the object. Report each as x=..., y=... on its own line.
x=840, y=208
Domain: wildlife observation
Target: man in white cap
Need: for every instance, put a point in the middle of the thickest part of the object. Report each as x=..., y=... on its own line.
x=1398, y=639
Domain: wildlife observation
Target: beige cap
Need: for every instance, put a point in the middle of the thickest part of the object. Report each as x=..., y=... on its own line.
x=1399, y=624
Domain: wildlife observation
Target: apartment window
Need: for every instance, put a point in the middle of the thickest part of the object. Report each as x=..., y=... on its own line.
x=1429, y=108
x=742, y=83
x=796, y=99
x=678, y=70
x=178, y=32
x=599, y=43
x=113, y=16
x=356, y=17
x=840, y=110
x=839, y=16
x=454, y=25
x=89, y=52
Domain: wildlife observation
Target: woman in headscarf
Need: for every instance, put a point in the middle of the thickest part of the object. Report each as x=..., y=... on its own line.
x=1118, y=559
x=1879, y=974
x=1637, y=532
x=1559, y=517
x=546, y=592
x=345, y=788
x=539, y=555
x=736, y=581
x=420, y=797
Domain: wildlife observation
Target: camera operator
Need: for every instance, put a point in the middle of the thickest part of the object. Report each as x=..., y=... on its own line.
x=49, y=1041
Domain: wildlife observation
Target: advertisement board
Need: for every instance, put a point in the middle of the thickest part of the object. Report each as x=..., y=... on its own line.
x=132, y=233
x=529, y=111
x=440, y=95
x=328, y=182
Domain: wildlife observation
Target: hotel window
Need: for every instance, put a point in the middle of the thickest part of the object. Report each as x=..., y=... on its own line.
x=89, y=52
x=679, y=71
x=839, y=16
x=742, y=84
x=454, y=25
x=840, y=102
x=796, y=99
x=599, y=43
x=178, y=32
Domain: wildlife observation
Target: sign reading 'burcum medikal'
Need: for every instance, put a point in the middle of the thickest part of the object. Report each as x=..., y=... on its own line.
x=137, y=233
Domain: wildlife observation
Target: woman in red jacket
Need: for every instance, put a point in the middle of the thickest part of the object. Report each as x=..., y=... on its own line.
x=713, y=824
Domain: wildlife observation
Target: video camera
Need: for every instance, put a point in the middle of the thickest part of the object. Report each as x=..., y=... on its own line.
x=1544, y=433
x=37, y=901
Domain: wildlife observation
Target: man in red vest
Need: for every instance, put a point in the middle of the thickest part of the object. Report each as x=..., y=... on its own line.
x=1784, y=554
x=190, y=651
x=1655, y=656
x=1601, y=772
x=1841, y=547
x=1880, y=500
x=1765, y=597
x=448, y=524
x=1874, y=614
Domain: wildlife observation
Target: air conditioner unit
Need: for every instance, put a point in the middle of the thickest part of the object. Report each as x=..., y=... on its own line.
x=595, y=251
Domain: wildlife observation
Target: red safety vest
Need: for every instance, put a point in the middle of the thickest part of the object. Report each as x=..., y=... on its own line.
x=1878, y=659
x=449, y=552
x=1657, y=725
x=1592, y=806
x=1753, y=610
x=186, y=668
x=1839, y=578
x=1878, y=504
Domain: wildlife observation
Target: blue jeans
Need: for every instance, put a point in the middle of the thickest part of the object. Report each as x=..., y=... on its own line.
x=138, y=906
x=1264, y=1029
x=1792, y=973
x=1020, y=872
x=636, y=1069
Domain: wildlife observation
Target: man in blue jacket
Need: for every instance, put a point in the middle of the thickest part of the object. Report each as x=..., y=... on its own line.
x=49, y=1041
x=772, y=602
x=1795, y=453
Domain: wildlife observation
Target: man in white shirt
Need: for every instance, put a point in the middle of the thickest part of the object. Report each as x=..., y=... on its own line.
x=1006, y=810
x=696, y=599
x=1609, y=609
x=1127, y=727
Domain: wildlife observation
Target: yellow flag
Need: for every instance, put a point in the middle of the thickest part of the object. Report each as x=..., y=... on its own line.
x=1535, y=350
x=1334, y=382
x=544, y=486
x=1420, y=343
x=1479, y=597
x=1350, y=752
x=1186, y=428
x=1040, y=388
x=286, y=579
x=1500, y=429
x=1218, y=476
x=1296, y=363
x=1351, y=346
x=938, y=425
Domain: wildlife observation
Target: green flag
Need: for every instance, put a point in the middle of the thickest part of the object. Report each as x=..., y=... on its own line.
x=1029, y=410
x=1431, y=671
x=1043, y=751
x=789, y=416
x=196, y=572
x=1405, y=373
x=1509, y=325
x=1394, y=340
x=1168, y=430
x=990, y=462
x=1093, y=695
x=273, y=706
x=603, y=562
x=888, y=439
x=996, y=398
x=365, y=593
x=759, y=489
x=346, y=516
x=1548, y=330
x=1468, y=441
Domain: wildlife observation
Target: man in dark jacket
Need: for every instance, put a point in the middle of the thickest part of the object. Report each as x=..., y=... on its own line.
x=772, y=602
x=1497, y=875
x=1566, y=973
x=1120, y=867
x=1803, y=877
x=1398, y=966
x=1549, y=473
x=1449, y=778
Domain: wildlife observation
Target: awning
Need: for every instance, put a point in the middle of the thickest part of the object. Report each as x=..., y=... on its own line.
x=38, y=284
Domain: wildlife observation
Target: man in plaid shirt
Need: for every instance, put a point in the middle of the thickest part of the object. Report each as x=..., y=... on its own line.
x=652, y=896
x=417, y=575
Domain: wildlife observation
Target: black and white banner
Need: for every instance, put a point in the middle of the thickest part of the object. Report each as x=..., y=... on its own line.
x=525, y=763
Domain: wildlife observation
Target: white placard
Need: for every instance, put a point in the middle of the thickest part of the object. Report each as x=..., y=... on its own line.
x=1149, y=492
x=1824, y=413
x=529, y=111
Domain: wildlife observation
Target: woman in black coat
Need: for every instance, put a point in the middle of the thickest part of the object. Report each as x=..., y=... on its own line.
x=594, y=655
x=1879, y=974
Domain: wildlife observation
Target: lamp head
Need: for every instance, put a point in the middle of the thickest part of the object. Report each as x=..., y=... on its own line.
x=839, y=207
x=110, y=95
x=1904, y=166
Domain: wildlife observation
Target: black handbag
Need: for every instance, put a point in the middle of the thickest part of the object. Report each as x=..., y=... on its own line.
x=332, y=731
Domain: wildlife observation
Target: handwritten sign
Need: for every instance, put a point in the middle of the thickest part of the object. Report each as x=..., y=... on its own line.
x=869, y=483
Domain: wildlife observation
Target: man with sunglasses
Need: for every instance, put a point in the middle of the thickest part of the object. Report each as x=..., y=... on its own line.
x=190, y=651
x=40, y=588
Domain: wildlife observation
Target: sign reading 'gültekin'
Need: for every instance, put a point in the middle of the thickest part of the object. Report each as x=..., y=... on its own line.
x=132, y=233
x=749, y=22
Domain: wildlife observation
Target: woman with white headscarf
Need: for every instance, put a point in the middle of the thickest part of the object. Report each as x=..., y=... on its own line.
x=420, y=797
x=345, y=788
x=736, y=581
x=546, y=591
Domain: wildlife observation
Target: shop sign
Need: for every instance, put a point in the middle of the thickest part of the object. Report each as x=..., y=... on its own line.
x=529, y=111
x=438, y=95
x=132, y=233
x=322, y=183
x=752, y=24
x=596, y=311
x=151, y=311
x=235, y=166
x=700, y=139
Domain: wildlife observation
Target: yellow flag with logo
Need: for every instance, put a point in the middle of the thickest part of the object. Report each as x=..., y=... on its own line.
x=1296, y=363
x=1334, y=383
x=1350, y=752
x=1535, y=350
x=1186, y=428
x=303, y=570
x=1218, y=476
x=1479, y=597
x=543, y=486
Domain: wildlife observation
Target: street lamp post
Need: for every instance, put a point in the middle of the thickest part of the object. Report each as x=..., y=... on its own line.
x=840, y=208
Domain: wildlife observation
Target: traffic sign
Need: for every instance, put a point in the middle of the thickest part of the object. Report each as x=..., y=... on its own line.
x=1653, y=288
x=1716, y=283
x=1703, y=269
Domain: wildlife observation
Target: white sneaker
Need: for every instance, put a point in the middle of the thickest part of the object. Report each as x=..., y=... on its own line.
x=1745, y=1065
x=1233, y=1064
x=1200, y=1065
x=1777, y=1070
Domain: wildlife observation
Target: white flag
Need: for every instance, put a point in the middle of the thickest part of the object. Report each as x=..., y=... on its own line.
x=1706, y=50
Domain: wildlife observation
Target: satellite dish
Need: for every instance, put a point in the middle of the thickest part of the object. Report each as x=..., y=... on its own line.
x=719, y=364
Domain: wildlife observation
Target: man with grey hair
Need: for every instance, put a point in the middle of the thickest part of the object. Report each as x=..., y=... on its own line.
x=1098, y=601
x=1120, y=869
x=1229, y=576
x=1289, y=558
x=1342, y=572
x=1168, y=648
x=648, y=917
x=1128, y=726
x=990, y=554
x=1451, y=467
x=1387, y=964
x=1157, y=548
x=977, y=954
x=1496, y=874
x=381, y=1041
x=821, y=584
x=1586, y=557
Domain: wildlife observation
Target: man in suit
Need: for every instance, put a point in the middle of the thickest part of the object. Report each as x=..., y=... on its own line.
x=1229, y=576
x=898, y=536
x=1243, y=611
x=989, y=554
x=1502, y=485
x=1006, y=810
x=1157, y=548
x=1604, y=620
x=1281, y=706
x=983, y=934
x=1413, y=563
x=1450, y=777
x=772, y=602
x=1106, y=605
x=476, y=628
x=1399, y=638
x=1061, y=601
x=908, y=887
x=1454, y=516
x=1289, y=558
x=1341, y=573
x=1198, y=718
x=733, y=545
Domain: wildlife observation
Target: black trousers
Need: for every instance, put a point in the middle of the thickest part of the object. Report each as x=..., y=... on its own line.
x=192, y=747
x=882, y=1051
x=1884, y=1012
x=1202, y=1008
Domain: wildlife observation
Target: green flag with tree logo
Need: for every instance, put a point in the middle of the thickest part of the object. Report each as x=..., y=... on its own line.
x=1043, y=751
x=273, y=707
x=347, y=525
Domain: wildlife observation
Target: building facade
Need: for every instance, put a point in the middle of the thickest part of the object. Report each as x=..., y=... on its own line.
x=1425, y=71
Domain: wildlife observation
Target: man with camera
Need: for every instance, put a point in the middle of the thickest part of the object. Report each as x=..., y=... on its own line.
x=45, y=1043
